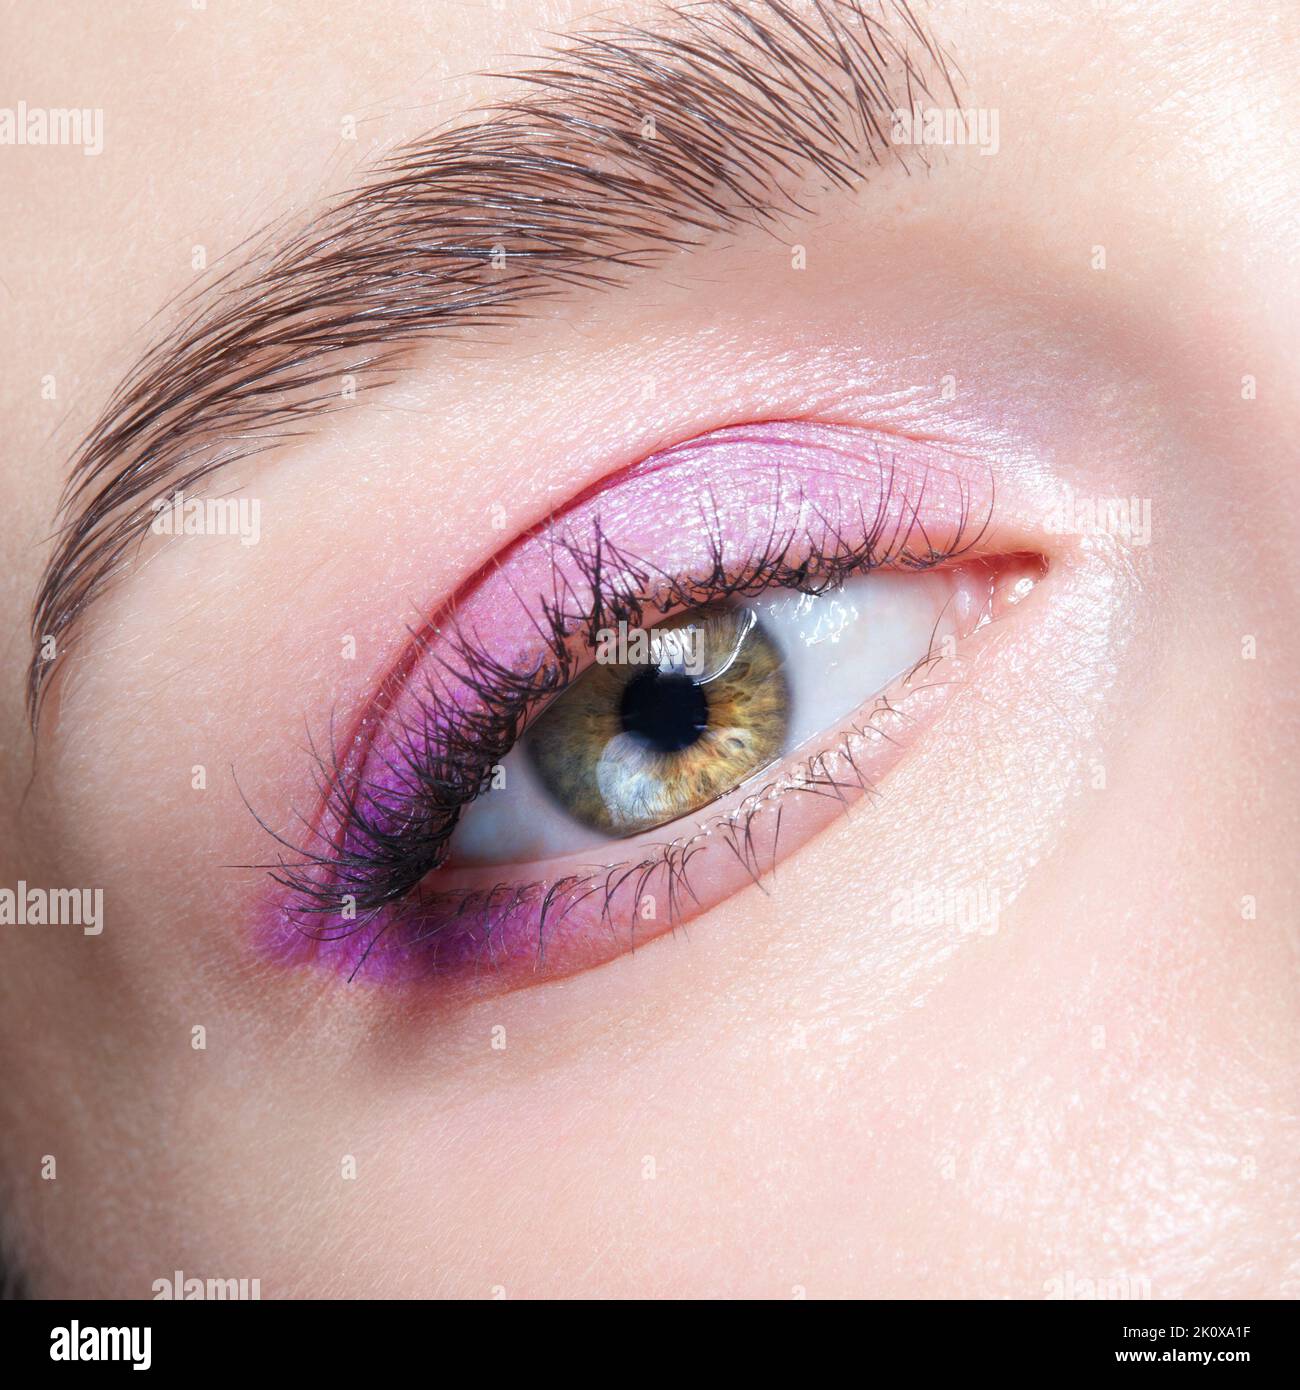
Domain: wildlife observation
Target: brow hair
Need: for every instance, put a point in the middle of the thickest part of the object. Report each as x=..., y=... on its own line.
x=620, y=147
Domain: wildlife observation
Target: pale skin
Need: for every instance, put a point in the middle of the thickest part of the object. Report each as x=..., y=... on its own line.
x=797, y=1094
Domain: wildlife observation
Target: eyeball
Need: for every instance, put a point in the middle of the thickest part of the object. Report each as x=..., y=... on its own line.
x=668, y=720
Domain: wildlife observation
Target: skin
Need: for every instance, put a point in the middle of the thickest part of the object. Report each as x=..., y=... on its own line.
x=801, y=1093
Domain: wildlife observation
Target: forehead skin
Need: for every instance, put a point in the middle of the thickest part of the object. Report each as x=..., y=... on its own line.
x=1106, y=1087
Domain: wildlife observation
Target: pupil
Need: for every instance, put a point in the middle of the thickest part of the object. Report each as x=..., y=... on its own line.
x=666, y=712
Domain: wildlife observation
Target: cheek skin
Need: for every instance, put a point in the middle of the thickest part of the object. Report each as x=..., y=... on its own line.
x=958, y=1068
x=799, y=1036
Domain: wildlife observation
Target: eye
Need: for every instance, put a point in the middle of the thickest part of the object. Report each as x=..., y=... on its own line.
x=667, y=721
x=643, y=703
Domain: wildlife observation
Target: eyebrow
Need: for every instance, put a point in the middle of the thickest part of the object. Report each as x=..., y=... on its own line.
x=618, y=148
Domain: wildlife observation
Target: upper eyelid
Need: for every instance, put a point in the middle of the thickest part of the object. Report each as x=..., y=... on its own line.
x=350, y=734
x=200, y=399
x=866, y=451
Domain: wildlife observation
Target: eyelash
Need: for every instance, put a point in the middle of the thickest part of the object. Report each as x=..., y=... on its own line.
x=374, y=852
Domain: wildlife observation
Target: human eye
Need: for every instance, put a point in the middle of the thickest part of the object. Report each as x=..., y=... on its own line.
x=645, y=702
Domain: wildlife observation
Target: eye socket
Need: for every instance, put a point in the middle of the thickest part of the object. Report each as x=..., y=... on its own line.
x=780, y=535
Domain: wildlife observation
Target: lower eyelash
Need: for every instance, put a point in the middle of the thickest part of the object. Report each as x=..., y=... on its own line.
x=369, y=850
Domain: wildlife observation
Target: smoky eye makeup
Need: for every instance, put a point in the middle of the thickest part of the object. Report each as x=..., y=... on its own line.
x=640, y=705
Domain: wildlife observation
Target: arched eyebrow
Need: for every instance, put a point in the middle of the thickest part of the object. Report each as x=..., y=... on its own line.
x=618, y=148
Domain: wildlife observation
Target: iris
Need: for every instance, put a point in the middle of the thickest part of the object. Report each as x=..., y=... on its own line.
x=631, y=745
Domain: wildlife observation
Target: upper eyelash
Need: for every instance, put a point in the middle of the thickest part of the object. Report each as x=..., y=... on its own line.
x=377, y=850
